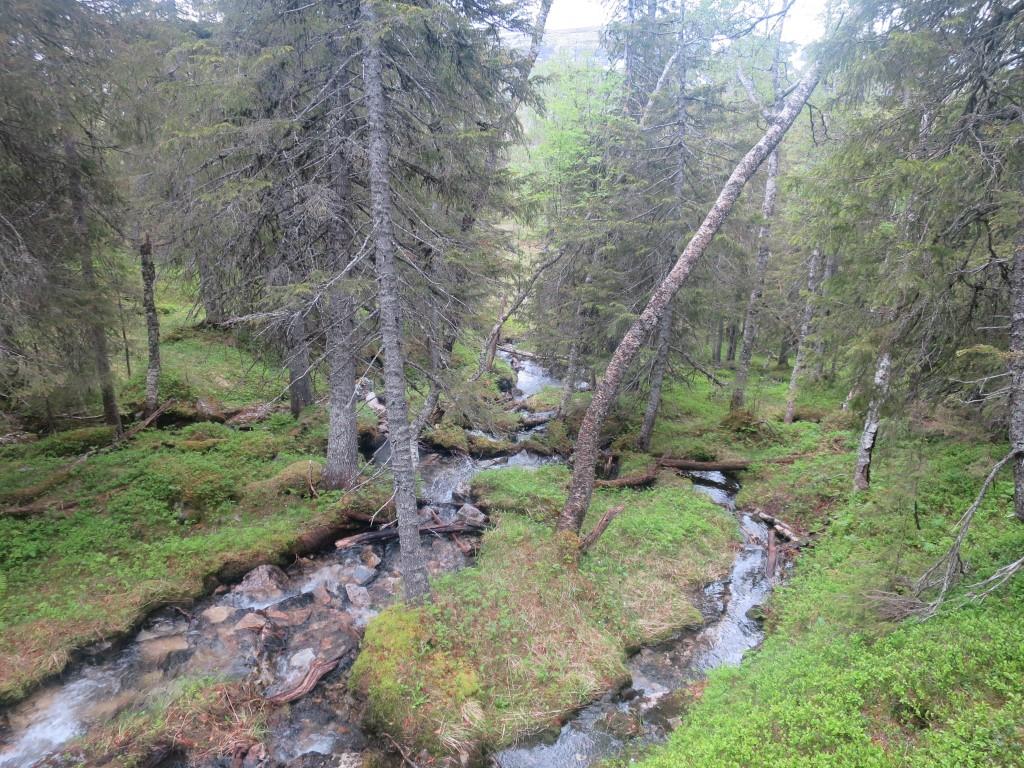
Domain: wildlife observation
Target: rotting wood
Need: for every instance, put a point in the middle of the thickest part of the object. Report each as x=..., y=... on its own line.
x=773, y=552
x=317, y=671
x=703, y=466
x=632, y=481
x=385, y=534
x=595, y=533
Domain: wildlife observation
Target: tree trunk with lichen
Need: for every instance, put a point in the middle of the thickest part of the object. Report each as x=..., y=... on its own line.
x=414, y=571
x=152, y=326
x=739, y=391
x=862, y=472
x=342, y=461
x=1017, y=371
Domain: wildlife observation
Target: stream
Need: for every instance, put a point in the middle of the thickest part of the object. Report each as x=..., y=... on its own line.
x=647, y=711
x=276, y=625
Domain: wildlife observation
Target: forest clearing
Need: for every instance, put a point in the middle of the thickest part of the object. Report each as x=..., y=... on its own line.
x=565, y=383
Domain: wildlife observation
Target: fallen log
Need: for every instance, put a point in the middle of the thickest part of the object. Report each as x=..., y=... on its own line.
x=591, y=538
x=780, y=527
x=773, y=553
x=385, y=534
x=37, y=508
x=529, y=420
x=317, y=670
x=632, y=481
x=703, y=466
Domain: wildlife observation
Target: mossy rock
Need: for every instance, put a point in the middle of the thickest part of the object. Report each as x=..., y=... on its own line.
x=486, y=448
x=447, y=436
x=196, y=481
x=396, y=660
x=298, y=478
x=748, y=425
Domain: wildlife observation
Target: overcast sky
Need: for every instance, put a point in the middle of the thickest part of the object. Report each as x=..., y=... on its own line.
x=802, y=26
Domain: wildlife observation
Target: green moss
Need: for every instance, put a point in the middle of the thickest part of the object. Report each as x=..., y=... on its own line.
x=485, y=447
x=447, y=437
x=537, y=493
x=73, y=442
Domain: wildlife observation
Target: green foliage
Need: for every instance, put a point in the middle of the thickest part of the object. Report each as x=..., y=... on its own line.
x=73, y=442
x=838, y=682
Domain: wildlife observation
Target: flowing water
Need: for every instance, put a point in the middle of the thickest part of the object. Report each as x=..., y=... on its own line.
x=270, y=628
x=649, y=709
x=274, y=625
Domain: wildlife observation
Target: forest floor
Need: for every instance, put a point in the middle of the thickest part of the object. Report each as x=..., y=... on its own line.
x=839, y=681
x=89, y=547
x=517, y=642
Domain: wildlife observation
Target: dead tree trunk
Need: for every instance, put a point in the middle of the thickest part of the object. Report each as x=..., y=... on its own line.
x=152, y=326
x=734, y=335
x=97, y=333
x=1017, y=372
x=209, y=291
x=414, y=572
x=805, y=330
x=831, y=264
x=300, y=382
x=491, y=344
x=588, y=442
x=862, y=472
x=569, y=384
x=760, y=269
x=657, y=378
x=342, y=461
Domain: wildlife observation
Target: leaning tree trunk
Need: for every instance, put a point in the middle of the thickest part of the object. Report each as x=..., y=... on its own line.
x=760, y=269
x=862, y=472
x=805, y=330
x=152, y=326
x=588, y=441
x=97, y=332
x=300, y=381
x=414, y=571
x=1017, y=371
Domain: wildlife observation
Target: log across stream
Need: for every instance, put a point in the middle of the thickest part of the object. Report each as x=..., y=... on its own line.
x=283, y=630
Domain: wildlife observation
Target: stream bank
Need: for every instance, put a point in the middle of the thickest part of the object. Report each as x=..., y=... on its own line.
x=299, y=629
x=277, y=629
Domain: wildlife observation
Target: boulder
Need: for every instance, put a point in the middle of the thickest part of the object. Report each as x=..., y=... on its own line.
x=358, y=595
x=363, y=575
x=261, y=586
x=471, y=514
x=369, y=557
